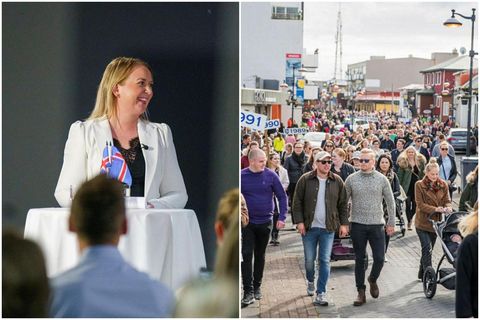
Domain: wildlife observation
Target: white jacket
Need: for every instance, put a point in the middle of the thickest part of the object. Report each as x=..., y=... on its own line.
x=283, y=175
x=164, y=186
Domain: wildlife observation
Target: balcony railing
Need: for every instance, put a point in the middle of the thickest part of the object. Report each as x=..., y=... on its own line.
x=287, y=16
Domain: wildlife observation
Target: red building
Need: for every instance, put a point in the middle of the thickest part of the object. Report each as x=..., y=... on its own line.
x=439, y=82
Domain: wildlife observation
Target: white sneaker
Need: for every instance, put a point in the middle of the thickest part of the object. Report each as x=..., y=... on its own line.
x=310, y=288
x=321, y=299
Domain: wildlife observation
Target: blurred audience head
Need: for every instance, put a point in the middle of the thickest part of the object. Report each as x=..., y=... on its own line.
x=227, y=211
x=216, y=298
x=98, y=212
x=469, y=223
x=25, y=288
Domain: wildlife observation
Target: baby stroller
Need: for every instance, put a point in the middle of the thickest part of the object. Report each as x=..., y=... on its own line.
x=445, y=230
x=342, y=249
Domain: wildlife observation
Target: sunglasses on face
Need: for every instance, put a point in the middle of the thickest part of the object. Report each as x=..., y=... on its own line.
x=444, y=149
x=329, y=145
x=364, y=160
x=324, y=161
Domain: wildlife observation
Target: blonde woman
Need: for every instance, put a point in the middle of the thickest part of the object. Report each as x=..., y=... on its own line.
x=431, y=195
x=466, y=287
x=411, y=165
x=120, y=118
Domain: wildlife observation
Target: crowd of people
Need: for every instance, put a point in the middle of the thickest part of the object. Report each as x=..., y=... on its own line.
x=355, y=184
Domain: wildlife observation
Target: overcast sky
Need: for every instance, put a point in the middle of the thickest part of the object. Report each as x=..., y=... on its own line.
x=390, y=29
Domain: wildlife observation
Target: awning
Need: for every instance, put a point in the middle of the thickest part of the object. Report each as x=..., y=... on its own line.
x=425, y=92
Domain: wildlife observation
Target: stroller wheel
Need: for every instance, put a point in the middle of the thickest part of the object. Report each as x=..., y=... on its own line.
x=429, y=282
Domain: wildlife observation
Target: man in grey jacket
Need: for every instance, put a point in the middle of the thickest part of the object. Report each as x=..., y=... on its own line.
x=320, y=209
x=367, y=188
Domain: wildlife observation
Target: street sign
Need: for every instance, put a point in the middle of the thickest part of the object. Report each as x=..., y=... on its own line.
x=295, y=130
x=253, y=120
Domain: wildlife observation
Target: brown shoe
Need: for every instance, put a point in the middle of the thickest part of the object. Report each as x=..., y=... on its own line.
x=361, y=299
x=374, y=292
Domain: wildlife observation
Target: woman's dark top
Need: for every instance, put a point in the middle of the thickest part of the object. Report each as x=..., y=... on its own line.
x=466, y=286
x=411, y=188
x=345, y=170
x=136, y=165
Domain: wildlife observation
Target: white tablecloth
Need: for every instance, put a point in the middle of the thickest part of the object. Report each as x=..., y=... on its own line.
x=166, y=244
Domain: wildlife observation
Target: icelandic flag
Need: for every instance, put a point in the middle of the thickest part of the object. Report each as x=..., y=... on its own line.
x=116, y=168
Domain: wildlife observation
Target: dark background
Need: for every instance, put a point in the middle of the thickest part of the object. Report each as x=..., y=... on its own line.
x=54, y=55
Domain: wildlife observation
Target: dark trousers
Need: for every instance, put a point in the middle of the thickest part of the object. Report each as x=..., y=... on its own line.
x=291, y=192
x=387, y=241
x=427, y=241
x=274, y=227
x=411, y=206
x=375, y=236
x=254, y=243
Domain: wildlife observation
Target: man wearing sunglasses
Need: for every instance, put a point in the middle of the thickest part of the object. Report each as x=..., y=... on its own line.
x=367, y=188
x=320, y=209
x=418, y=146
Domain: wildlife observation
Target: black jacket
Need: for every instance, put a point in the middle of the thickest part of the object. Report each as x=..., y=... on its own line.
x=466, y=286
x=346, y=170
x=294, y=165
x=387, y=144
x=453, y=172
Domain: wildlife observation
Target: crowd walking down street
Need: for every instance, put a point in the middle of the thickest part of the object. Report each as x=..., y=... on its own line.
x=348, y=202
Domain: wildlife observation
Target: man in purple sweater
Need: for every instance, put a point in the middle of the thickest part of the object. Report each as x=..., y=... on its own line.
x=258, y=186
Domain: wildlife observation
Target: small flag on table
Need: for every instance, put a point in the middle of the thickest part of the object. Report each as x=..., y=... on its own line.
x=115, y=166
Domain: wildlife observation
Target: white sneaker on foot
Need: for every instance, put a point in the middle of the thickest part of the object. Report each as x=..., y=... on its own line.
x=310, y=288
x=321, y=299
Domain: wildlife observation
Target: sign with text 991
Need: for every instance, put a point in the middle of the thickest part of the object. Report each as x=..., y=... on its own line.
x=253, y=120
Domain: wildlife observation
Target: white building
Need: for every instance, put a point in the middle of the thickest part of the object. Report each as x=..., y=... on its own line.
x=269, y=31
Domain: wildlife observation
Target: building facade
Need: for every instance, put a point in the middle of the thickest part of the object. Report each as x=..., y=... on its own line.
x=269, y=31
x=437, y=97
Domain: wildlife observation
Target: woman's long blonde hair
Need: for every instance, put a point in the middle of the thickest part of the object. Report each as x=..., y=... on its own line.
x=116, y=72
x=469, y=224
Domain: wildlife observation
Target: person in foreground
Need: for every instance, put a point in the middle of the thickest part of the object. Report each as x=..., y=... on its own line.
x=258, y=186
x=320, y=209
x=103, y=285
x=120, y=119
x=431, y=195
x=368, y=188
x=25, y=288
x=466, y=286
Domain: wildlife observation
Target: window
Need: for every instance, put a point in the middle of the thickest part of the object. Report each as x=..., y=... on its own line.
x=287, y=13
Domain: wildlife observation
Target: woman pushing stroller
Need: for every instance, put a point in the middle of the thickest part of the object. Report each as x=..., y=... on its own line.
x=431, y=195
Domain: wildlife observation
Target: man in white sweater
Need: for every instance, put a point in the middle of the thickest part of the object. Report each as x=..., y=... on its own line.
x=367, y=188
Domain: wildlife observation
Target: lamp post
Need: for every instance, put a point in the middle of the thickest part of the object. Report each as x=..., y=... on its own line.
x=293, y=98
x=453, y=22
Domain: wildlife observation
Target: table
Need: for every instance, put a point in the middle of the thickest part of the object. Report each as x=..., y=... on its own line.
x=166, y=244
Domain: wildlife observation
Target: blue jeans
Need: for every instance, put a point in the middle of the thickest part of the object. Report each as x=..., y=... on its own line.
x=323, y=239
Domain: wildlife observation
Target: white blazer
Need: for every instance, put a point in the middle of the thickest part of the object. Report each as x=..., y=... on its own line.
x=164, y=185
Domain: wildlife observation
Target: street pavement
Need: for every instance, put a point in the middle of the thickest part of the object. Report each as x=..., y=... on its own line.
x=401, y=293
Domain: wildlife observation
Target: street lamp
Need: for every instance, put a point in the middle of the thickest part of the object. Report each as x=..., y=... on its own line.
x=453, y=22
